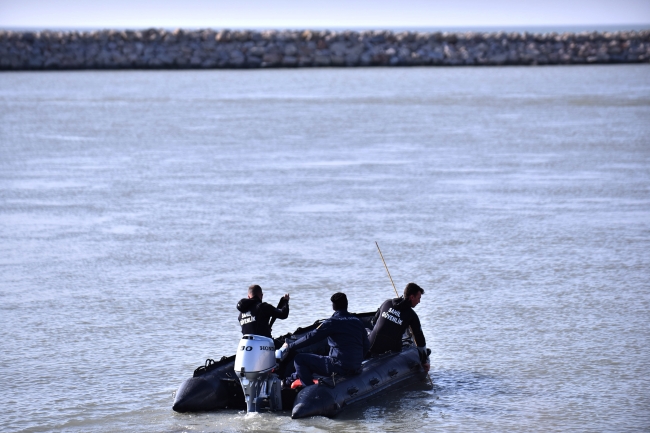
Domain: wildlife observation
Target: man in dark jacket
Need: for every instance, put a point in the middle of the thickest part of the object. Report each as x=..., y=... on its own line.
x=347, y=338
x=393, y=318
x=254, y=314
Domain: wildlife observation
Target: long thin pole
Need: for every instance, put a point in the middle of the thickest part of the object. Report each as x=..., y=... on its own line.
x=387, y=271
x=394, y=288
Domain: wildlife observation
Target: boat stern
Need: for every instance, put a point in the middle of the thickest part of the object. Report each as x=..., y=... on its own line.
x=315, y=400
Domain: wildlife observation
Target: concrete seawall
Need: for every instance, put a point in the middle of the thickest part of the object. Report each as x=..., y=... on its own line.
x=205, y=49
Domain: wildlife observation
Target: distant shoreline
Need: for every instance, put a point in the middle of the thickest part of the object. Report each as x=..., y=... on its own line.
x=231, y=49
x=395, y=29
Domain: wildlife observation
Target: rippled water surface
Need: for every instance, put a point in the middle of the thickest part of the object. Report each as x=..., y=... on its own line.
x=137, y=207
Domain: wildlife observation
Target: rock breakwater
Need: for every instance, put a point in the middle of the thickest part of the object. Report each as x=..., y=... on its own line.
x=162, y=49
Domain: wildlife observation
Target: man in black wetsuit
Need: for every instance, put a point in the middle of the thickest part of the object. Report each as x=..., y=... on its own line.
x=393, y=318
x=254, y=314
x=347, y=338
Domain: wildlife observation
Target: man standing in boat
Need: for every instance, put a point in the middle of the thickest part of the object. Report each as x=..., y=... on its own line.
x=348, y=341
x=393, y=318
x=254, y=315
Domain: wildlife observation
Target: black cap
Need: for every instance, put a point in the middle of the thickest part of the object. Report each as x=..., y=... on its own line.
x=339, y=301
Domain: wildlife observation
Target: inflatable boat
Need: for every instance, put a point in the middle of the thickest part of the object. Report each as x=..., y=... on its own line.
x=255, y=379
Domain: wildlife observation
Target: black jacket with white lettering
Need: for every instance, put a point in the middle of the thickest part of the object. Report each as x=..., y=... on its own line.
x=346, y=336
x=391, y=320
x=255, y=315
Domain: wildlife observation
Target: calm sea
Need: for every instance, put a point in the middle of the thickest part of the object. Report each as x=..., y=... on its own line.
x=136, y=207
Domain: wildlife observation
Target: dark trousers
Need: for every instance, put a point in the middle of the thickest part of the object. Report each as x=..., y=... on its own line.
x=308, y=364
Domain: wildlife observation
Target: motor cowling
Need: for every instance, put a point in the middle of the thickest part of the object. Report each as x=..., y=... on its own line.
x=255, y=354
x=254, y=366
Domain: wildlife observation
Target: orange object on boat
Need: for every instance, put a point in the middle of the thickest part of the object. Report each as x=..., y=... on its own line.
x=297, y=383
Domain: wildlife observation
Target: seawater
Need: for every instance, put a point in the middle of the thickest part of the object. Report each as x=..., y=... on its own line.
x=137, y=206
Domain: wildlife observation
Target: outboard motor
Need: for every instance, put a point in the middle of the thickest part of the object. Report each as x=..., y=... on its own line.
x=254, y=365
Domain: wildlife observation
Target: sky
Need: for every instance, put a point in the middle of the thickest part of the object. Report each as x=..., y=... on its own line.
x=260, y=14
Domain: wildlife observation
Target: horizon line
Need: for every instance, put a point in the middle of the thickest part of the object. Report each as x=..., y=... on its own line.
x=464, y=28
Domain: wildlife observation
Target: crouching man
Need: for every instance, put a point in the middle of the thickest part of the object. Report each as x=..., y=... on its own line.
x=348, y=341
